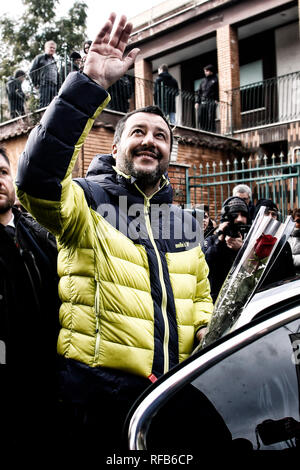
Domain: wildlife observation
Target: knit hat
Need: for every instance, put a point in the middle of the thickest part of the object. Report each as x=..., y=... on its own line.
x=234, y=205
x=267, y=203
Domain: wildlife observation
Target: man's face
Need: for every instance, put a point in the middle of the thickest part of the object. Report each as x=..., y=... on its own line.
x=207, y=73
x=244, y=196
x=240, y=218
x=144, y=148
x=297, y=221
x=205, y=220
x=272, y=213
x=86, y=48
x=50, y=48
x=7, y=191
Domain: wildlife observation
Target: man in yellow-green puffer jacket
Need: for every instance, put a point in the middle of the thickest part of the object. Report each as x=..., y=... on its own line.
x=133, y=278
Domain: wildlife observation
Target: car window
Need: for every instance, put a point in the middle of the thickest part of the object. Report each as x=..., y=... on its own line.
x=256, y=390
x=249, y=400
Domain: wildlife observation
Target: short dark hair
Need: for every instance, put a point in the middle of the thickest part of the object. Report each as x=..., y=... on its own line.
x=19, y=73
x=75, y=55
x=147, y=109
x=164, y=67
x=88, y=41
x=4, y=155
x=209, y=67
x=296, y=213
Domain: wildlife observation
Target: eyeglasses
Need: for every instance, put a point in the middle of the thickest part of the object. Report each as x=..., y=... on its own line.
x=297, y=221
x=205, y=216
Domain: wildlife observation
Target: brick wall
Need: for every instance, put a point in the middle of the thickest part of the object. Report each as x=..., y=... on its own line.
x=254, y=139
x=293, y=134
x=229, y=71
x=99, y=140
x=14, y=147
x=195, y=148
x=176, y=174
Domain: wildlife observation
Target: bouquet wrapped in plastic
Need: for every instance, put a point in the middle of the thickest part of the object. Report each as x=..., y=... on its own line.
x=260, y=249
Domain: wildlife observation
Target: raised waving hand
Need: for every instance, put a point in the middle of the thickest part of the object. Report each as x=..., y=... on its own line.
x=105, y=63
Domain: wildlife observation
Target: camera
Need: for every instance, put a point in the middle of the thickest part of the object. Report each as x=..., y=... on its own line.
x=236, y=230
x=233, y=230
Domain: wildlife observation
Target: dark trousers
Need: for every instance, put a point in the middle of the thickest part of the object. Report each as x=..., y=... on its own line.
x=16, y=105
x=207, y=115
x=47, y=93
x=98, y=425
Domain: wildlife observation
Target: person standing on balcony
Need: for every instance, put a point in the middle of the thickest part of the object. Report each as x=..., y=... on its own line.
x=16, y=95
x=206, y=100
x=29, y=305
x=134, y=287
x=165, y=92
x=44, y=74
x=73, y=65
x=120, y=93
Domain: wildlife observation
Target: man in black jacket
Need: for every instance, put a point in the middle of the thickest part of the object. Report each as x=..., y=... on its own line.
x=222, y=247
x=206, y=100
x=44, y=74
x=28, y=319
x=16, y=96
x=165, y=92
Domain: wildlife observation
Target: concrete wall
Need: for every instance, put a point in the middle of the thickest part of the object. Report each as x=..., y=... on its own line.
x=287, y=49
x=288, y=61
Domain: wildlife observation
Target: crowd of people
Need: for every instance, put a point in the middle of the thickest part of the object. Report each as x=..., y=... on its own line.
x=221, y=244
x=135, y=295
x=46, y=76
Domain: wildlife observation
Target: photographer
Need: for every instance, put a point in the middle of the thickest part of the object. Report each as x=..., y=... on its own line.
x=221, y=248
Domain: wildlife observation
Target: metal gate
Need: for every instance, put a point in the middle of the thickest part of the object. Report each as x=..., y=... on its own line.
x=276, y=178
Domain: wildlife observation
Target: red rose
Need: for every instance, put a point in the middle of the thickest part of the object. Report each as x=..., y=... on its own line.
x=264, y=245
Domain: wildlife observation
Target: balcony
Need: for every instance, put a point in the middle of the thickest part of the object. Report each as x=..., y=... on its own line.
x=268, y=102
x=272, y=101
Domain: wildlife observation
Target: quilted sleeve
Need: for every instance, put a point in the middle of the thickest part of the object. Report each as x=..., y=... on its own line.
x=44, y=178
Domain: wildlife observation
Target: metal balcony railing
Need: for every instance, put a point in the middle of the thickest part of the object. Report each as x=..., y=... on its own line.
x=179, y=107
x=267, y=102
x=34, y=91
x=275, y=100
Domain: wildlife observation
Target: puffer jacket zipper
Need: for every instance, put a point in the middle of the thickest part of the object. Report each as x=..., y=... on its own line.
x=161, y=278
x=97, y=326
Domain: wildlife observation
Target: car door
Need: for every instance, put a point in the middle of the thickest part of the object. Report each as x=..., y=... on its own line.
x=241, y=394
